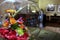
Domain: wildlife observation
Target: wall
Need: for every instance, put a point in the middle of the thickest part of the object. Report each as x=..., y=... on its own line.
x=43, y=3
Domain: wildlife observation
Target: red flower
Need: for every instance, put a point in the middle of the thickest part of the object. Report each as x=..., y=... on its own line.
x=23, y=37
x=11, y=35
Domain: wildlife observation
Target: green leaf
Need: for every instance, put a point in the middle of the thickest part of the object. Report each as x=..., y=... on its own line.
x=20, y=31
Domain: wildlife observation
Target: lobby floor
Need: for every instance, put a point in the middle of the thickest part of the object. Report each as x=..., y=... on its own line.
x=44, y=34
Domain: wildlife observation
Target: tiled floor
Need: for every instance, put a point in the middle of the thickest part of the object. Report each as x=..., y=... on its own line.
x=53, y=29
x=48, y=34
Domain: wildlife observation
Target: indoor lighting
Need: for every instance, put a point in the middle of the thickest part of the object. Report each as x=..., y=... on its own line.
x=33, y=11
x=10, y=0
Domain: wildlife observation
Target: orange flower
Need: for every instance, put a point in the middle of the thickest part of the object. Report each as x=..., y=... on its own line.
x=12, y=20
x=22, y=26
x=5, y=24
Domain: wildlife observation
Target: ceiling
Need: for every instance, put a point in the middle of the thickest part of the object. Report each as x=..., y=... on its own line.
x=36, y=1
x=1, y=1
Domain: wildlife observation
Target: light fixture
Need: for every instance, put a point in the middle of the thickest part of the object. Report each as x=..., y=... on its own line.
x=10, y=0
x=34, y=11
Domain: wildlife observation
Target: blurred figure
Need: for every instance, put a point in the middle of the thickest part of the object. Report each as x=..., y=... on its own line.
x=42, y=19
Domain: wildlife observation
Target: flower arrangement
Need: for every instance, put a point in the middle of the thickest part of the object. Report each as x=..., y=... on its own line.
x=14, y=29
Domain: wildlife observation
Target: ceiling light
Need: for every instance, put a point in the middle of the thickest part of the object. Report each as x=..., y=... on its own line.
x=10, y=0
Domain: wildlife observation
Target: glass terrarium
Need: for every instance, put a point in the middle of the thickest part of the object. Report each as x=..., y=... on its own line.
x=22, y=6
x=15, y=28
